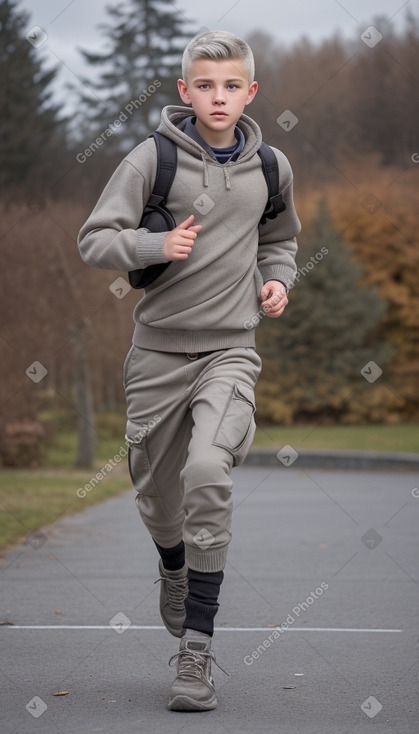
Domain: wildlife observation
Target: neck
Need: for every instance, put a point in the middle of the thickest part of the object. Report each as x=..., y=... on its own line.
x=222, y=139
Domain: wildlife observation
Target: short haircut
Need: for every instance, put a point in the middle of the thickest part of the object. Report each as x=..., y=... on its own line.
x=218, y=46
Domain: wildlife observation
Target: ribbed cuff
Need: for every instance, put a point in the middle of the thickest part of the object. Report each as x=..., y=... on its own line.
x=150, y=248
x=208, y=560
x=284, y=273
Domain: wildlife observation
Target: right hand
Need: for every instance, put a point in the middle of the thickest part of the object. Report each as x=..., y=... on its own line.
x=178, y=243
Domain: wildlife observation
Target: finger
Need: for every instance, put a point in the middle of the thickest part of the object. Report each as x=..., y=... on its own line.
x=182, y=253
x=268, y=289
x=185, y=239
x=277, y=310
x=269, y=304
x=196, y=228
x=188, y=233
x=274, y=304
x=183, y=250
x=271, y=289
x=187, y=223
x=276, y=297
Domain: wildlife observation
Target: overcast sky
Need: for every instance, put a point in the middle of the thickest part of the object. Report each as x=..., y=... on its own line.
x=73, y=23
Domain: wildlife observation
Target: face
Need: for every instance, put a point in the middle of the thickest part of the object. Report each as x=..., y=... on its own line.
x=218, y=92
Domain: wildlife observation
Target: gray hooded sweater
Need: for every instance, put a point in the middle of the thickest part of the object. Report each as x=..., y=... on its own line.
x=210, y=300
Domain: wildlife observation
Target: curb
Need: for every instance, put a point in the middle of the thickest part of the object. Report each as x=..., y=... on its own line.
x=332, y=459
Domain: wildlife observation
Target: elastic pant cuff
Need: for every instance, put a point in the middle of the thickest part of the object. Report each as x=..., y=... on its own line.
x=208, y=560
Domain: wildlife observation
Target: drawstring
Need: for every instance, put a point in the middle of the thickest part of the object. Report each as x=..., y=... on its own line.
x=206, y=173
x=205, y=164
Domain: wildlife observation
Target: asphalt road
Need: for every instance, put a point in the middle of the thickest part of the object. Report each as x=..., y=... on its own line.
x=332, y=556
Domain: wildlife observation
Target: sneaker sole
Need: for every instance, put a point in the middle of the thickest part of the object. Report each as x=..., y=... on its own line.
x=185, y=703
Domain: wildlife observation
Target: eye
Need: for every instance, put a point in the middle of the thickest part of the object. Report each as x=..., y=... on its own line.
x=203, y=86
x=233, y=86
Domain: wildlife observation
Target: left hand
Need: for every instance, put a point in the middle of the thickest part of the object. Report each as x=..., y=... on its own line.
x=274, y=298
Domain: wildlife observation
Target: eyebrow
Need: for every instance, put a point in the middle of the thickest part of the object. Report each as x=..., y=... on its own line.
x=228, y=81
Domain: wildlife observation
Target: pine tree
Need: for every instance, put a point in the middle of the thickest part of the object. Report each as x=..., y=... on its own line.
x=138, y=72
x=28, y=119
x=313, y=355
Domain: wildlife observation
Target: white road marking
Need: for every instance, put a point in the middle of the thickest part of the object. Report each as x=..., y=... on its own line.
x=217, y=629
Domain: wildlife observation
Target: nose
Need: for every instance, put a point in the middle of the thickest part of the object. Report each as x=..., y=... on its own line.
x=219, y=95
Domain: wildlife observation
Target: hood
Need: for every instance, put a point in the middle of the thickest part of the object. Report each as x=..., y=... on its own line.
x=174, y=115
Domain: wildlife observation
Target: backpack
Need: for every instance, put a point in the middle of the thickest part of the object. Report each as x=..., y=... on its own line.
x=157, y=218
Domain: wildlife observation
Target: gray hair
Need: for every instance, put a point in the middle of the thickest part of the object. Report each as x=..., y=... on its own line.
x=218, y=46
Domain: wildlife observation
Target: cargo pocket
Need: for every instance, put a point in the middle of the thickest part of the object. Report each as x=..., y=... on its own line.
x=138, y=460
x=237, y=426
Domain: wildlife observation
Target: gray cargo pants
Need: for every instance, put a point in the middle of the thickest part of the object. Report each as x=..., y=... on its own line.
x=189, y=422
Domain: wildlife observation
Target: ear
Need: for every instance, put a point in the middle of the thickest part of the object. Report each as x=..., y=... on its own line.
x=183, y=91
x=252, y=92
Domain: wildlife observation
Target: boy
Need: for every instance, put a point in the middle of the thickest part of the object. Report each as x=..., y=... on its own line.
x=190, y=374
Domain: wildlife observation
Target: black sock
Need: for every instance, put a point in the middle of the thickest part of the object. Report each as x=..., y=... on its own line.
x=201, y=604
x=173, y=558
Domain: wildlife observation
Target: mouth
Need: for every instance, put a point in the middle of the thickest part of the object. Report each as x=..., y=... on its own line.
x=218, y=114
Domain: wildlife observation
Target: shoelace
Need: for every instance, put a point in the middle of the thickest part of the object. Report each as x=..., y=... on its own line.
x=177, y=590
x=192, y=663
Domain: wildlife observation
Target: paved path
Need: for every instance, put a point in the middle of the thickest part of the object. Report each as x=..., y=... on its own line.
x=332, y=554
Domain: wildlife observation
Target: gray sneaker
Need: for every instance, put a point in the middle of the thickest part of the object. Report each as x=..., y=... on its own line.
x=173, y=592
x=193, y=687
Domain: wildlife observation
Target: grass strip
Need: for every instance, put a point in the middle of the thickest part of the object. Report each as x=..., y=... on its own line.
x=33, y=499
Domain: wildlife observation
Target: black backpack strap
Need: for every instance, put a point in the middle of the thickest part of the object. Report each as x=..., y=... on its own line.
x=275, y=204
x=166, y=168
x=165, y=172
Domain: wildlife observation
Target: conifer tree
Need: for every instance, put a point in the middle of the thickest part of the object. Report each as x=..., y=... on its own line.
x=138, y=71
x=28, y=118
x=314, y=353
